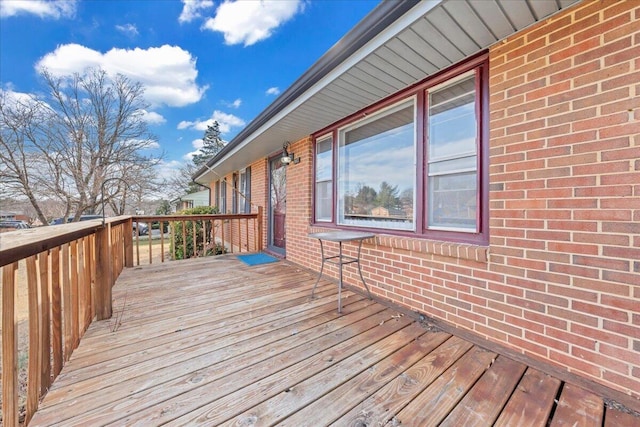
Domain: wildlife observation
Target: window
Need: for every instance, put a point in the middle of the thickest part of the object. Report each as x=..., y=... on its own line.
x=375, y=188
x=416, y=166
x=452, y=156
x=234, y=194
x=223, y=196
x=217, y=195
x=244, y=197
x=324, y=179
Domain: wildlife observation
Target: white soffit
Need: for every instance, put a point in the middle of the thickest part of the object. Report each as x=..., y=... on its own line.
x=431, y=36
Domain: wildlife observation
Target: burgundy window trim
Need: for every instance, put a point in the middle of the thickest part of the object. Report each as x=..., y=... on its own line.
x=314, y=148
x=480, y=63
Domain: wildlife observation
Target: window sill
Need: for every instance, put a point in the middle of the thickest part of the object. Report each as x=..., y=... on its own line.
x=446, y=249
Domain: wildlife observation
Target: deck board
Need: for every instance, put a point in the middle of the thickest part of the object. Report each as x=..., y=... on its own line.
x=214, y=342
x=483, y=404
x=531, y=402
x=443, y=394
x=578, y=407
x=324, y=409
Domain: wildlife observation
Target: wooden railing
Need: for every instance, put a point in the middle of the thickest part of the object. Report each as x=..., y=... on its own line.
x=68, y=272
x=197, y=236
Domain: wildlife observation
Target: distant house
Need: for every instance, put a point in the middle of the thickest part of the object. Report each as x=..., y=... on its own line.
x=4, y=215
x=512, y=128
x=381, y=211
x=12, y=216
x=191, y=200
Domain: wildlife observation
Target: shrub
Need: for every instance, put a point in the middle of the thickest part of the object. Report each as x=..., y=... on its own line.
x=208, y=247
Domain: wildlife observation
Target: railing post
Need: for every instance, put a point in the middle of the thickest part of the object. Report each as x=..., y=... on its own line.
x=9, y=347
x=128, y=243
x=103, y=274
x=259, y=236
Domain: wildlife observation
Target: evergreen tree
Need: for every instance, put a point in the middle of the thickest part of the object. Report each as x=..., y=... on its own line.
x=388, y=195
x=212, y=143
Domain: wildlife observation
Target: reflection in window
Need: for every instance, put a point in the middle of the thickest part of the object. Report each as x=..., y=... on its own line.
x=374, y=180
x=234, y=194
x=376, y=170
x=223, y=196
x=244, y=195
x=324, y=179
x=452, y=157
x=217, y=195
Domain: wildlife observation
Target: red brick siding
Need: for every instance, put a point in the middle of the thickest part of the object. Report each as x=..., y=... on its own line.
x=560, y=280
x=260, y=194
x=299, y=193
x=240, y=234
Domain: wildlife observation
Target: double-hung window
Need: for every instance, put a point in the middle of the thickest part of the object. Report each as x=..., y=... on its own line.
x=235, y=197
x=324, y=179
x=244, y=199
x=223, y=196
x=452, y=159
x=216, y=195
x=414, y=166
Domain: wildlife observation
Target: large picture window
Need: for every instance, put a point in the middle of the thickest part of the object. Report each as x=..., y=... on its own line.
x=415, y=165
x=375, y=185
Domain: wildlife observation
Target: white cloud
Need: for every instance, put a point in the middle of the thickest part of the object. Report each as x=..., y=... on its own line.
x=168, y=73
x=225, y=121
x=152, y=117
x=43, y=9
x=236, y=104
x=248, y=22
x=197, y=145
x=273, y=91
x=128, y=30
x=167, y=170
x=153, y=145
x=191, y=9
x=13, y=99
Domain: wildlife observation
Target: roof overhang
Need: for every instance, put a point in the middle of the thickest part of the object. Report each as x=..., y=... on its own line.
x=396, y=45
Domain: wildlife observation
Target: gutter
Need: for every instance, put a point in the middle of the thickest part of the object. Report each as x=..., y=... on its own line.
x=376, y=21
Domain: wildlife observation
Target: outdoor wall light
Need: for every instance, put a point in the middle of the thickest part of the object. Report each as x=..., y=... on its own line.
x=288, y=158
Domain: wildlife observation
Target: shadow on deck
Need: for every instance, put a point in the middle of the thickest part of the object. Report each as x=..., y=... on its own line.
x=211, y=341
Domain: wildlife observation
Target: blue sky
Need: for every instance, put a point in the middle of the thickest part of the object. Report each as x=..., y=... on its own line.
x=198, y=60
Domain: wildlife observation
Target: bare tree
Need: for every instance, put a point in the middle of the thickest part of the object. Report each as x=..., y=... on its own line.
x=182, y=182
x=72, y=147
x=24, y=150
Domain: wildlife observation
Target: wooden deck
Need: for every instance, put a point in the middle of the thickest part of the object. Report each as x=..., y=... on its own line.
x=214, y=342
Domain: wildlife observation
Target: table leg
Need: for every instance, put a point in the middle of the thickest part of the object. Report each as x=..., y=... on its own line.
x=360, y=271
x=340, y=281
x=321, y=268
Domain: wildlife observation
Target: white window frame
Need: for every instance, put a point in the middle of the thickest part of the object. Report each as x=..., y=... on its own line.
x=320, y=140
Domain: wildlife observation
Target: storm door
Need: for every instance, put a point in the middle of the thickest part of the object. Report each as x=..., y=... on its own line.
x=277, y=205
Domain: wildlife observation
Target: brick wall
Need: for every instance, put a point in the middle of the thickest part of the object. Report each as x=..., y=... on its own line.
x=240, y=235
x=260, y=194
x=560, y=281
x=299, y=177
x=565, y=199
